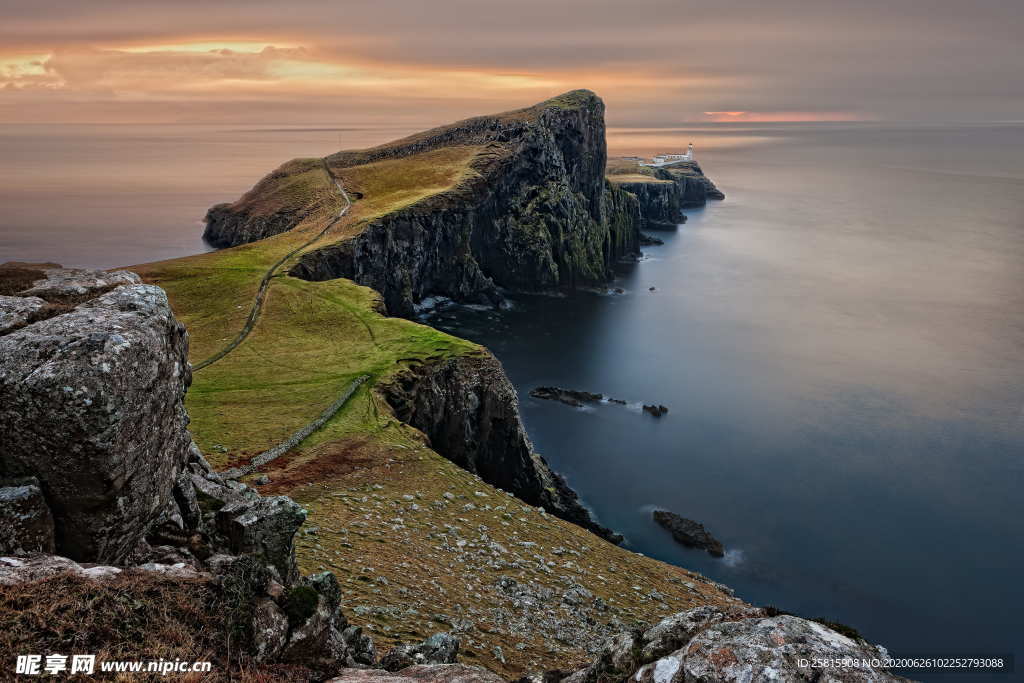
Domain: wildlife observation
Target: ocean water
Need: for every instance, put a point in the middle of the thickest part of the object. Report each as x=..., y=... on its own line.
x=840, y=344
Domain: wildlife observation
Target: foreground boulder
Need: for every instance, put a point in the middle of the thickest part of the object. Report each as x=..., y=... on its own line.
x=742, y=644
x=91, y=406
x=100, y=480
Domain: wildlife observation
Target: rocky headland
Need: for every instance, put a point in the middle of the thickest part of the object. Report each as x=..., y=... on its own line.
x=663, y=192
x=419, y=505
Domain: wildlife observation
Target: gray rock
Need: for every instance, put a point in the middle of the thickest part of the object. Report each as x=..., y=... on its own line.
x=440, y=648
x=774, y=649
x=429, y=673
x=14, y=570
x=320, y=641
x=673, y=632
x=264, y=527
x=400, y=657
x=26, y=525
x=359, y=646
x=708, y=644
x=91, y=405
x=61, y=283
x=18, y=311
x=269, y=629
x=688, y=532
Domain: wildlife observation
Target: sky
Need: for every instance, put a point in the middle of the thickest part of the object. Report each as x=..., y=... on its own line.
x=655, y=62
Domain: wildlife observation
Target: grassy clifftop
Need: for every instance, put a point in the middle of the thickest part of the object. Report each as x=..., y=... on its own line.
x=419, y=544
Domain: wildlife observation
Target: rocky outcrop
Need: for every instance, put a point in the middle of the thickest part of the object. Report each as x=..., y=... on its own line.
x=469, y=411
x=695, y=188
x=17, y=311
x=437, y=673
x=742, y=644
x=91, y=406
x=534, y=213
x=661, y=203
x=440, y=648
x=277, y=203
x=688, y=532
x=99, y=474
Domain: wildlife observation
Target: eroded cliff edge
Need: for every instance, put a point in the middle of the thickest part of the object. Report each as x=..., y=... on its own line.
x=469, y=410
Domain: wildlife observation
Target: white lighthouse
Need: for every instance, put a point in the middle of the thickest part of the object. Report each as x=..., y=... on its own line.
x=666, y=159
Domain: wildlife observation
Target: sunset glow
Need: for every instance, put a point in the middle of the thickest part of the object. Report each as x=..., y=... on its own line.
x=654, y=64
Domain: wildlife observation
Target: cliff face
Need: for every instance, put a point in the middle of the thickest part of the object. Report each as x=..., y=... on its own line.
x=695, y=188
x=660, y=203
x=468, y=409
x=276, y=204
x=533, y=213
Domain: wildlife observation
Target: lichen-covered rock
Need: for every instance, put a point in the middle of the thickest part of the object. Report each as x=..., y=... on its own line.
x=673, y=632
x=774, y=648
x=91, y=405
x=62, y=283
x=264, y=527
x=269, y=629
x=707, y=644
x=26, y=525
x=440, y=648
x=470, y=413
x=617, y=659
x=33, y=568
x=318, y=639
x=436, y=673
x=18, y=311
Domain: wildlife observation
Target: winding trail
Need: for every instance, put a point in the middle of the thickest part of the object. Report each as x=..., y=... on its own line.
x=257, y=304
x=250, y=322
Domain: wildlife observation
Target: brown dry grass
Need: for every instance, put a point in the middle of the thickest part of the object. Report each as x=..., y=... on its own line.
x=133, y=616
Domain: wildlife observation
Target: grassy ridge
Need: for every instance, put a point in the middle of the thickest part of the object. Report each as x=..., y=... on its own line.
x=312, y=338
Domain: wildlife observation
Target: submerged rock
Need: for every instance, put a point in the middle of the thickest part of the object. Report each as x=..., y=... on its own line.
x=689, y=533
x=570, y=397
x=655, y=410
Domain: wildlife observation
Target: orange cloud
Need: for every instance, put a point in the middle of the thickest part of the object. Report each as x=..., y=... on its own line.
x=782, y=116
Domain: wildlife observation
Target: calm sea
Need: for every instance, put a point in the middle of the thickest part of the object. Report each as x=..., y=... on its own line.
x=840, y=344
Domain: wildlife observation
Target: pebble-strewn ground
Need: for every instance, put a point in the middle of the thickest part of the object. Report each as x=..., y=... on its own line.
x=422, y=546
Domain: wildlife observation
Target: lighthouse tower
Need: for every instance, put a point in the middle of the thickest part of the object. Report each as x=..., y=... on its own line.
x=689, y=152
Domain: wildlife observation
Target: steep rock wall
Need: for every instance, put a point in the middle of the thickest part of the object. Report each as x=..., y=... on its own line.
x=469, y=411
x=660, y=204
x=538, y=215
x=695, y=188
